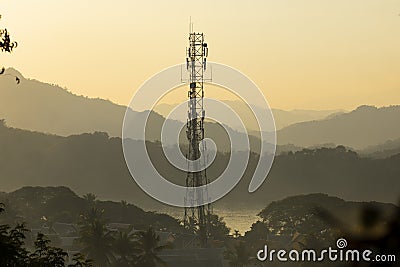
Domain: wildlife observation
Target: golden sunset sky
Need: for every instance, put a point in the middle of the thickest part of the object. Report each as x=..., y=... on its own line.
x=303, y=54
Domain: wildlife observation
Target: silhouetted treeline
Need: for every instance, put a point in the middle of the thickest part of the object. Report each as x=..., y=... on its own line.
x=95, y=163
x=36, y=205
x=97, y=244
x=317, y=221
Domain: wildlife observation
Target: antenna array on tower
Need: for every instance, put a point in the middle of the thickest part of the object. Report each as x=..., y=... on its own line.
x=197, y=216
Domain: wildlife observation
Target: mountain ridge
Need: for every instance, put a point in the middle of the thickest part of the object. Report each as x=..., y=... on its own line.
x=48, y=108
x=95, y=163
x=360, y=128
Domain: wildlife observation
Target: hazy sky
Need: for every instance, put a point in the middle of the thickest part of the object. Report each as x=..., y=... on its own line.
x=314, y=54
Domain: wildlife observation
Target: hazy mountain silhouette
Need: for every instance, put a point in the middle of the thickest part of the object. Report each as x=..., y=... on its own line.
x=48, y=108
x=94, y=163
x=387, y=149
x=282, y=118
x=363, y=127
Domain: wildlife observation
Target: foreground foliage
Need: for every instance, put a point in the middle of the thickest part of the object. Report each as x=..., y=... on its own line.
x=14, y=252
x=99, y=246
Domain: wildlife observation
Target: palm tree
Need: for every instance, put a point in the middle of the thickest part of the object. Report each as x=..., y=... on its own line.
x=240, y=256
x=96, y=240
x=124, y=209
x=124, y=203
x=126, y=247
x=218, y=229
x=191, y=225
x=90, y=199
x=148, y=242
x=80, y=260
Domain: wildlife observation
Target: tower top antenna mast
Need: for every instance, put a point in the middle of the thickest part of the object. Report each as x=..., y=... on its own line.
x=190, y=25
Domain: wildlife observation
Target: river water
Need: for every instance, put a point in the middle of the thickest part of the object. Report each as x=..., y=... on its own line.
x=240, y=219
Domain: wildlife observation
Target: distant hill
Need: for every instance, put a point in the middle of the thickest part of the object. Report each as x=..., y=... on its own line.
x=48, y=108
x=94, y=163
x=282, y=118
x=387, y=149
x=363, y=127
x=61, y=204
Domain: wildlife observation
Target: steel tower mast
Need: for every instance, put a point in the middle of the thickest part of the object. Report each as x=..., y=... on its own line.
x=197, y=217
